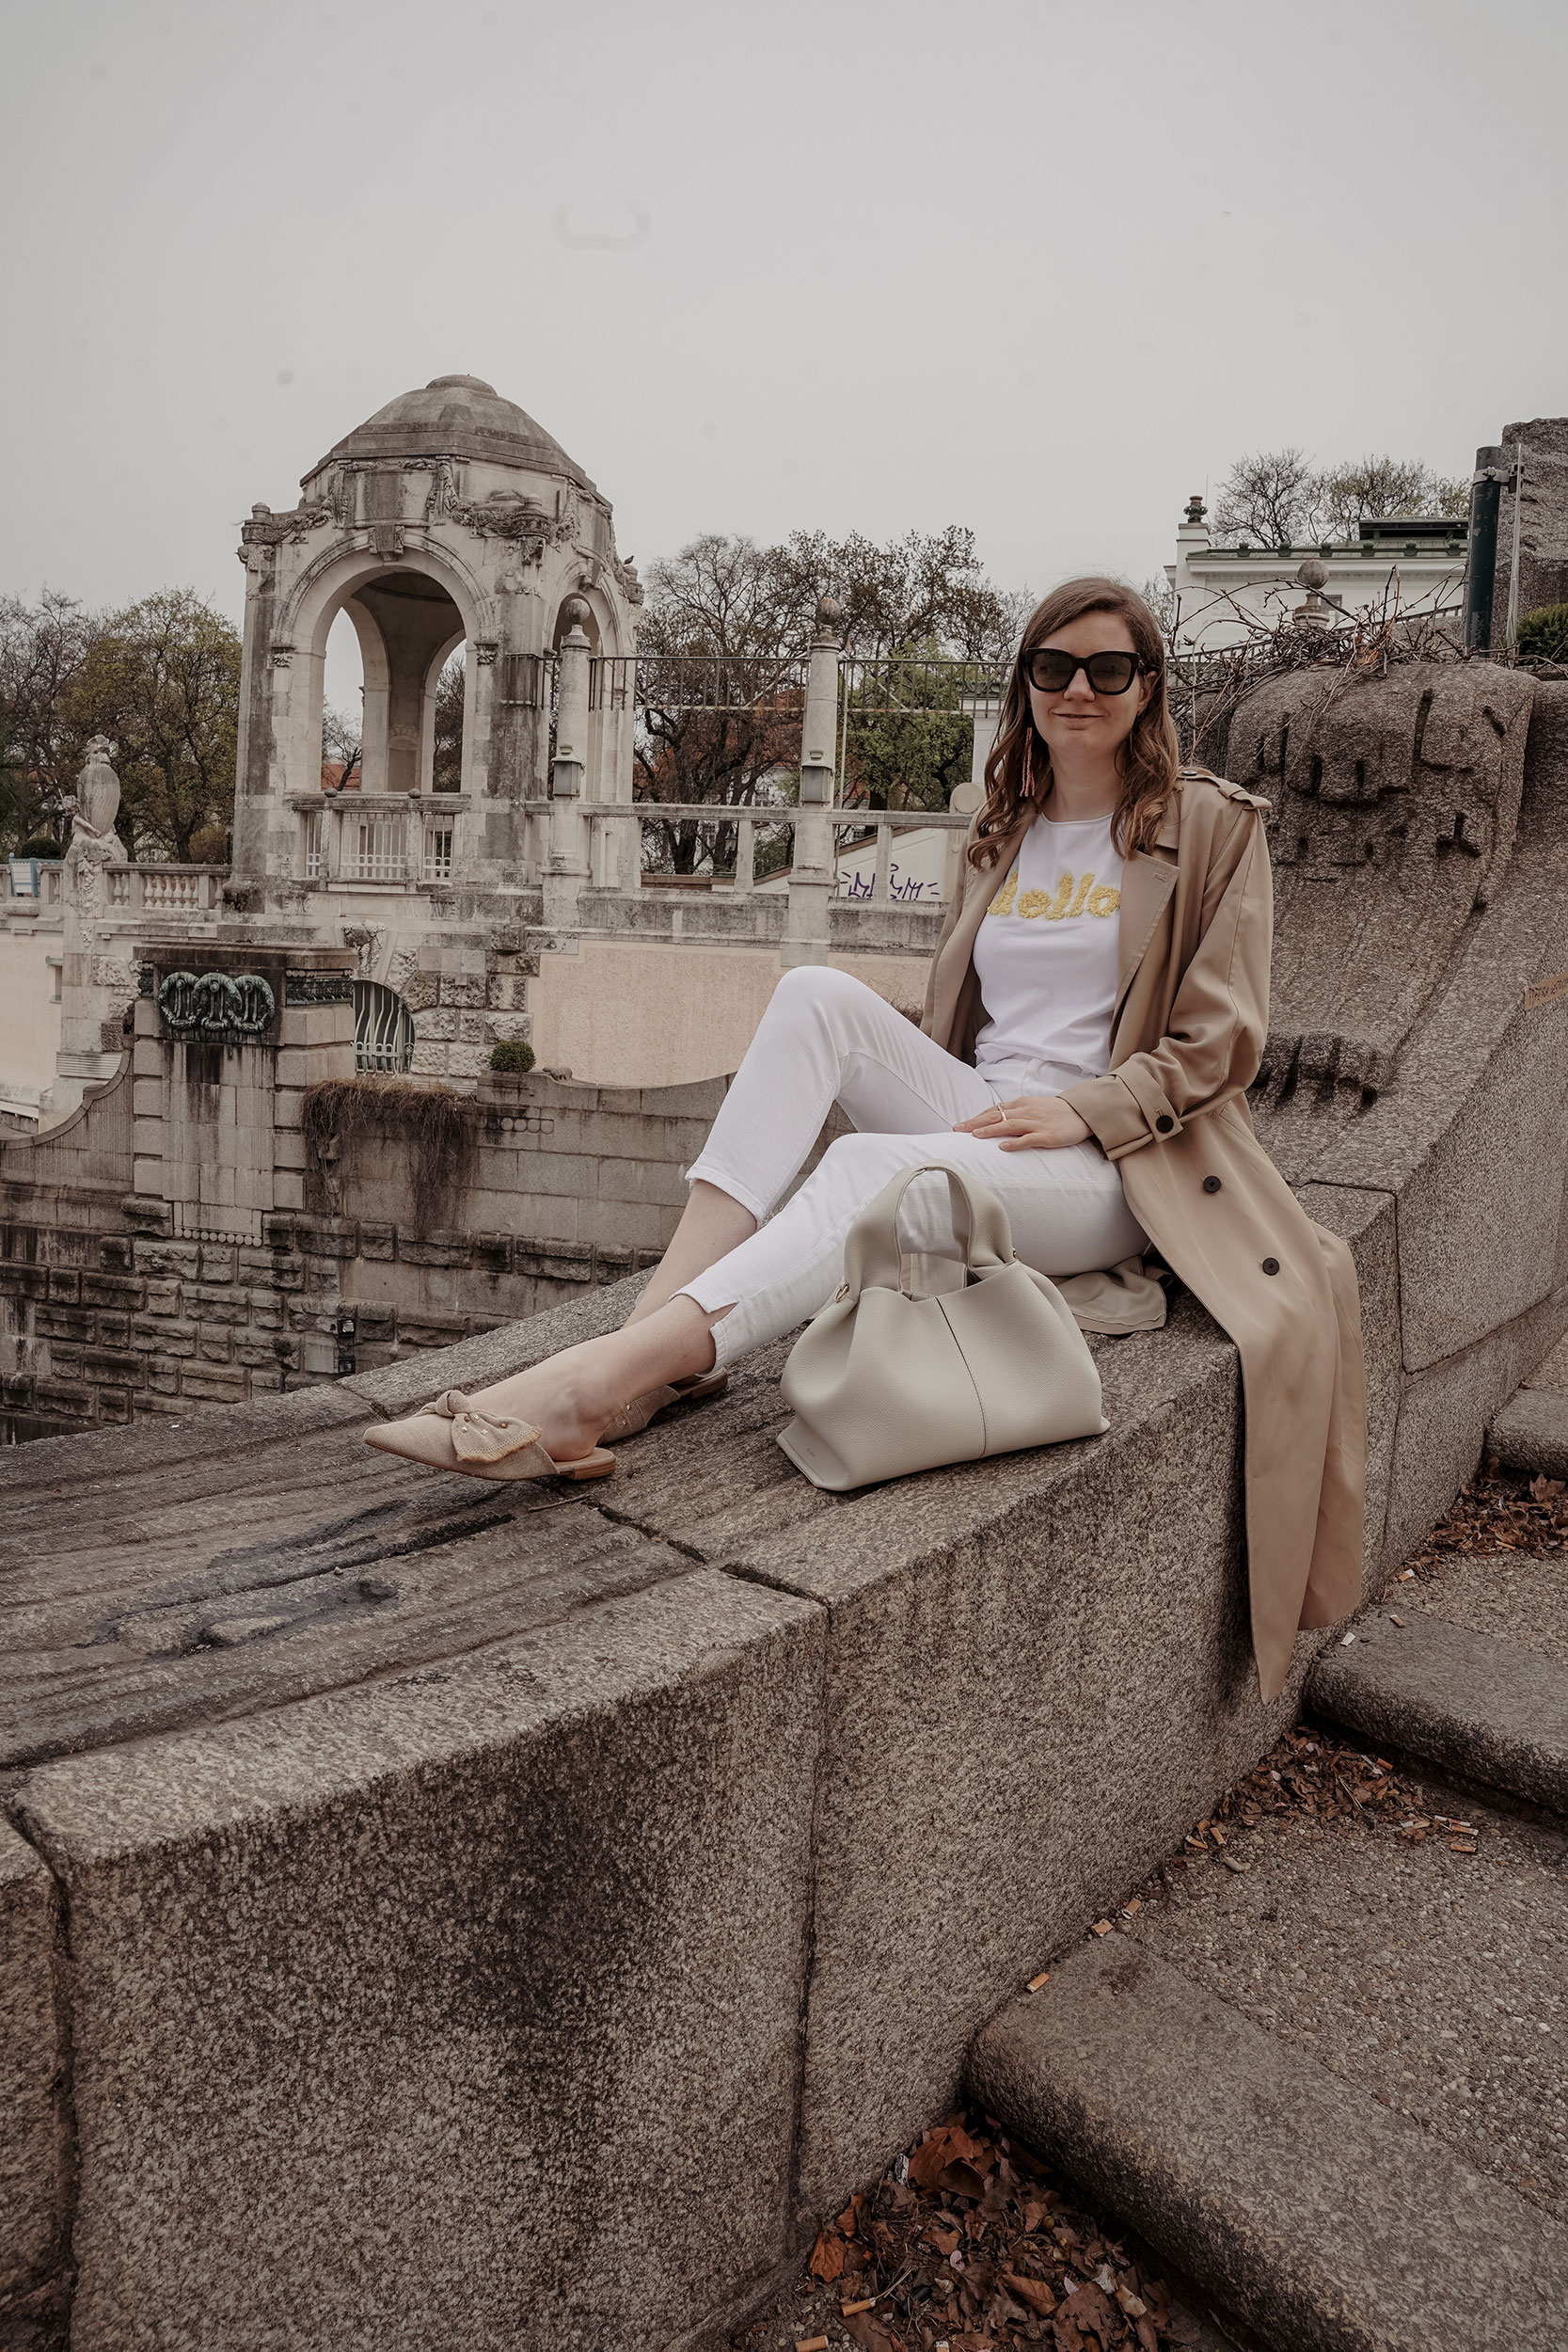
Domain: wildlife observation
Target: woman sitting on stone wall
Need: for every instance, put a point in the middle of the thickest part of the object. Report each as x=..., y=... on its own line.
x=1098, y=1006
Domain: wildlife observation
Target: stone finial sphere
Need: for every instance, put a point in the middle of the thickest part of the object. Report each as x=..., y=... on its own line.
x=575, y=611
x=830, y=613
x=1312, y=574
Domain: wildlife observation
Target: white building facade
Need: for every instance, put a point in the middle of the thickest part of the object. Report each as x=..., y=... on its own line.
x=1414, y=565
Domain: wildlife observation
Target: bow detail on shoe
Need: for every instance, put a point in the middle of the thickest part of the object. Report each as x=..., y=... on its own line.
x=481, y=1437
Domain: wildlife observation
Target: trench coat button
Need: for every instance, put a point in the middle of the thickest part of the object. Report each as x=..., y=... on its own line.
x=1211, y=1184
x=1271, y=1265
x=1162, y=1125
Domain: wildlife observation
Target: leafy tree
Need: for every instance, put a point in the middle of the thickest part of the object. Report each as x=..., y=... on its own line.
x=727, y=728
x=1367, y=488
x=162, y=681
x=42, y=650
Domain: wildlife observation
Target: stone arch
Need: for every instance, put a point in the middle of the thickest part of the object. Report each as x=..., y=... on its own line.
x=396, y=648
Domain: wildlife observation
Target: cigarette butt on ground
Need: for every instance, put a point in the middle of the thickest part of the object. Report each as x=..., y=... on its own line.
x=810, y=2343
x=847, y=2311
x=1035, y=1982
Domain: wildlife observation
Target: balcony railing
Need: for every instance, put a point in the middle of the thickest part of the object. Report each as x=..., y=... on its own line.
x=879, y=831
x=166, y=889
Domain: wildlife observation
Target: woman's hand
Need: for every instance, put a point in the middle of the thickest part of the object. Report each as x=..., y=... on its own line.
x=1031, y=1122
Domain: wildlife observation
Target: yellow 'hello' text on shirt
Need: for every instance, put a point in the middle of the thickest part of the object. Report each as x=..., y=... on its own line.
x=1072, y=896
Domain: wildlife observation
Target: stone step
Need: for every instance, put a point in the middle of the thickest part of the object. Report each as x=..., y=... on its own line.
x=1530, y=1434
x=1323, y=2219
x=1480, y=1708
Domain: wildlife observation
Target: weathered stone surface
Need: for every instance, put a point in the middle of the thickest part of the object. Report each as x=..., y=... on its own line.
x=477, y=1991
x=216, y=1584
x=1478, y=1707
x=1531, y=1432
x=32, y=2185
x=1322, y=2220
x=997, y=1631
x=1444, y=1415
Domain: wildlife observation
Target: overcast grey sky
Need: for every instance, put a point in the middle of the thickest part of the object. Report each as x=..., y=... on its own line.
x=1035, y=267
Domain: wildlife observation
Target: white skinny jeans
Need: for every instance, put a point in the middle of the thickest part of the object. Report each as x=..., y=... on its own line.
x=826, y=1038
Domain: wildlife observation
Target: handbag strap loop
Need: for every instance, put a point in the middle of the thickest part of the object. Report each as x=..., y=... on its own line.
x=871, y=1253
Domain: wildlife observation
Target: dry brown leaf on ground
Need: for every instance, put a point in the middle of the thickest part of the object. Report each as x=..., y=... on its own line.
x=1033, y=2292
x=827, y=2257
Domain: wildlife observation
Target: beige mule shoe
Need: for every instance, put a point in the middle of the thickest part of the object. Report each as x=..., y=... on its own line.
x=449, y=1435
x=644, y=1408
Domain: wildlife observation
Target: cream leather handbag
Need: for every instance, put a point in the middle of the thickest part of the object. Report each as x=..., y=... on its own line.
x=886, y=1381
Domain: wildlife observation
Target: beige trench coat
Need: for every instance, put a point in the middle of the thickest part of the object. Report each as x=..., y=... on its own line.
x=1192, y=1015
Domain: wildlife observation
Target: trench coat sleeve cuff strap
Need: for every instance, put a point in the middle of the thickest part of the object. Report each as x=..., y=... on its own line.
x=1115, y=1111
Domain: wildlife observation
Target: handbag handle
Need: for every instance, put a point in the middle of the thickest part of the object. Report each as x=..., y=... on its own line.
x=871, y=1254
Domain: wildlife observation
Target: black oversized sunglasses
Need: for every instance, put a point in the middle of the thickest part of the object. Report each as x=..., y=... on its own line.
x=1053, y=672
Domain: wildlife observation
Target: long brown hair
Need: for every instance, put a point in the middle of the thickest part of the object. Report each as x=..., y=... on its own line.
x=1150, y=759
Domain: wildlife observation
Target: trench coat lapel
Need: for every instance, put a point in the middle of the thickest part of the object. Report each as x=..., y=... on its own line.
x=1148, y=879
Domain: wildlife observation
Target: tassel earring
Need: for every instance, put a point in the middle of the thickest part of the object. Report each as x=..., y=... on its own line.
x=1027, y=789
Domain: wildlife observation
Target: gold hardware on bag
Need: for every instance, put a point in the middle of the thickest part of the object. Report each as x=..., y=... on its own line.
x=842, y=1291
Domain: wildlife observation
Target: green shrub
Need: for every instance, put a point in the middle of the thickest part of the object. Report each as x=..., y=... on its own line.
x=513, y=1055
x=39, y=845
x=1544, y=634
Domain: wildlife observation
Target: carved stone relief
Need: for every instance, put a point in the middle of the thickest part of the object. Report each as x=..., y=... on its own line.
x=1395, y=802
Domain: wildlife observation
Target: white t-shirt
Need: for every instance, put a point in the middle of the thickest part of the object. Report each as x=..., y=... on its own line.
x=1046, y=959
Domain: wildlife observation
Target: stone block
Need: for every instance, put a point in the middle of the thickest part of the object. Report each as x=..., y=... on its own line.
x=169, y=1258
x=209, y=1305
x=288, y=1189
x=218, y=1263
x=213, y=1384
x=116, y=1405
x=255, y=1349
x=433, y=1249
x=149, y=1058
x=1081, y=1602
x=325, y=1237
x=148, y=1136
x=346, y=1948
x=1317, y=2215
x=65, y=1286
x=32, y=2187
x=378, y=1242
x=1479, y=1709
x=64, y=1322
x=147, y=1097
x=630, y=1224
x=112, y=1290
x=113, y=1364
x=215, y=1344
x=114, y=1330
x=57, y=1400
x=659, y=1184
x=1530, y=1434
x=1442, y=1416
x=167, y=1335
